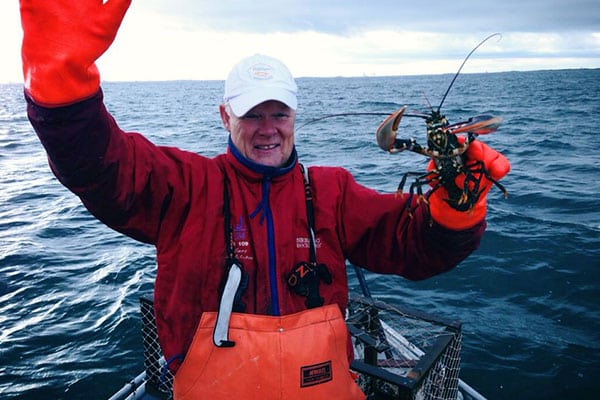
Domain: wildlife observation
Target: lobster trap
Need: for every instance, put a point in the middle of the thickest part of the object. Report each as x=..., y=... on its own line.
x=403, y=354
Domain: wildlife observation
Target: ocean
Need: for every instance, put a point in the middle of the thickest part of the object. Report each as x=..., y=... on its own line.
x=528, y=298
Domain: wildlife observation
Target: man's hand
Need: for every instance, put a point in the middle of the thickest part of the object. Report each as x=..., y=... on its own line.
x=497, y=166
x=62, y=41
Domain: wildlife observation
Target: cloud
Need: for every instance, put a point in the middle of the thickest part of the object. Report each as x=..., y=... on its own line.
x=190, y=39
x=344, y=17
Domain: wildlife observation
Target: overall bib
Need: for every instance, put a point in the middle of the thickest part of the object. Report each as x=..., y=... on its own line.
x=293, y=357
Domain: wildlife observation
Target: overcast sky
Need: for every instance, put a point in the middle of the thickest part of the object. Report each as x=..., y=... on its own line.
x=199, y=39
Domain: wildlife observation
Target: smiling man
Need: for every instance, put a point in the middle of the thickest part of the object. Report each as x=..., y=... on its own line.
x=251, y=246
x=259, y=110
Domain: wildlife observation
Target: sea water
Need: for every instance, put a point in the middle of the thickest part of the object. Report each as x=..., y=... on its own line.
x=528, y=297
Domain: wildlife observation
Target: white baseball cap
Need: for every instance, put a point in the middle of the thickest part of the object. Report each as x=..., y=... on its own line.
x=257, y=79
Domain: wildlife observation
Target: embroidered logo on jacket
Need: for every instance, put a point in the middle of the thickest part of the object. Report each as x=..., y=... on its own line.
x=241, y=241
x=316, y=374
x=239, y=230
x=304, y=242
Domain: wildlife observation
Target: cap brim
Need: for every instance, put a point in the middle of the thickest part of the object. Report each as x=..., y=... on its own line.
x=243, y=103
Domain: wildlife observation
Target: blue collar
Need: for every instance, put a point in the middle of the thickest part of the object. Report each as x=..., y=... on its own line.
x=265, y=170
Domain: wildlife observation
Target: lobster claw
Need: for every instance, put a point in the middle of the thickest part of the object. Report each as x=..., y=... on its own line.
x=387, y=130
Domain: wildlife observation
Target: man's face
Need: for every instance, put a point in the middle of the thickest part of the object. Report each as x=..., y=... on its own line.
x=265, y=134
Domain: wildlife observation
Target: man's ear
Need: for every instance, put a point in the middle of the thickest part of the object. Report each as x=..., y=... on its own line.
x=225, y=117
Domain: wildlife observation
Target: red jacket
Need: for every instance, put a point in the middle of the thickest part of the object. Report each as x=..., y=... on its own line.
x=174, y=200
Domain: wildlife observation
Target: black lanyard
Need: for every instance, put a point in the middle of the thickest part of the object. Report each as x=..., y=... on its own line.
x=305, y=277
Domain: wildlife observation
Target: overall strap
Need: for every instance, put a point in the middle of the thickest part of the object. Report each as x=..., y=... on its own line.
x=310, y=215
x=236, y=280
x=305, y=277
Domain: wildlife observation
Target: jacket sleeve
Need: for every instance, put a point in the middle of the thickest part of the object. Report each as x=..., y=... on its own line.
x=123, y=179
x=378, y=234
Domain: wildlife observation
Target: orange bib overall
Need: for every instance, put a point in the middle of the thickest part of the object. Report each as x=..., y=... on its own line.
x=294, y=357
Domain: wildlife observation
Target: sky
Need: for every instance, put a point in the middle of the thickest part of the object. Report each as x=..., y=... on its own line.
x=199, y=39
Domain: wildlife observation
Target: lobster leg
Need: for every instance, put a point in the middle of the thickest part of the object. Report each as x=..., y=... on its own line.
x=400, y=189
x=417, y=187
x=481, y=169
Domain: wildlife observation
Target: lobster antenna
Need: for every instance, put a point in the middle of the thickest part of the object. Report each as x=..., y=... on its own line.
x=463, y=64
x=427, y=100
x=352, y=114
x=346, y=114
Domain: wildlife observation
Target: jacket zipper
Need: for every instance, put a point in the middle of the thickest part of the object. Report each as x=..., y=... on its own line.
x=271, y=249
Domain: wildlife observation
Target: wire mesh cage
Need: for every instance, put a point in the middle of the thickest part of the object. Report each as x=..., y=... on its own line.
x=159, y=379
x=402, y=353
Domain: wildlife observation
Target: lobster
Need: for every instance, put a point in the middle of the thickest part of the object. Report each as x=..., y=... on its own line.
x=446, y=149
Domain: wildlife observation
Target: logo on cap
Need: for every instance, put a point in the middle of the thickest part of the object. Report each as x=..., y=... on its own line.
x=261, y=71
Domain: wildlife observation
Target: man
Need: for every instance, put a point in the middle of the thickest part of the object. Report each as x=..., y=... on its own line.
x=251, y=246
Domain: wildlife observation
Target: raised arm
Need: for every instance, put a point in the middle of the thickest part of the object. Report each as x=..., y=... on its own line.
x=122, y=178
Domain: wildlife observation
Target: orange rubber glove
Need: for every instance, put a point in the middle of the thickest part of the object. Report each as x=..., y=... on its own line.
x=441, y=212
x=62, y=39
